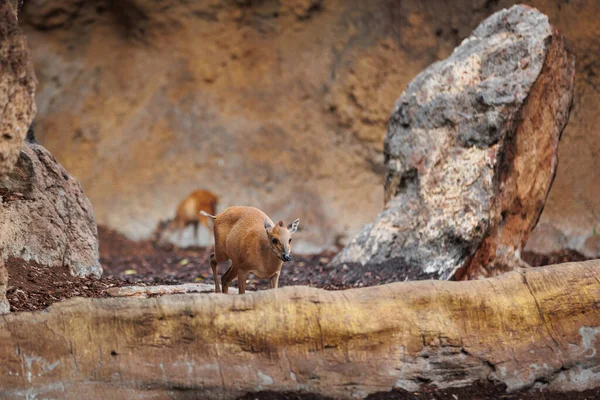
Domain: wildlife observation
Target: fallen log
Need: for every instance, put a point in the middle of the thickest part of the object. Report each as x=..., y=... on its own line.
x=524, y=328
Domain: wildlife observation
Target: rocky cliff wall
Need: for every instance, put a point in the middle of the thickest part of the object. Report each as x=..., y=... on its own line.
x=280, y=104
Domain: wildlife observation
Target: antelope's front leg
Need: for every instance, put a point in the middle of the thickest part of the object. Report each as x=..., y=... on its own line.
x=242, y=276
x=274, y=281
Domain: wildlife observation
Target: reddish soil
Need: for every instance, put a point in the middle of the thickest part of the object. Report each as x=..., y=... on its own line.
x=562, y=256
x=474, y=392
x=34, y=287
x=481, y=391
x=145, y=262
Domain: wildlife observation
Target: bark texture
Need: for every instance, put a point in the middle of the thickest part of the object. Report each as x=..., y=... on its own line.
x=471, y=151
x=533, y=327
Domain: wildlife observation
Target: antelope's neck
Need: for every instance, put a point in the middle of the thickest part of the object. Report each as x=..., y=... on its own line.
x=272, y=259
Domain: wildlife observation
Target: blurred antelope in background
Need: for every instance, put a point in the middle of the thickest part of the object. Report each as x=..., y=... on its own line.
x=253, y=243
x=188, y=213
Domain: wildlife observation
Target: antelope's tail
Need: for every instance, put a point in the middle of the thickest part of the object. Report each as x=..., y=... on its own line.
x=207, y=215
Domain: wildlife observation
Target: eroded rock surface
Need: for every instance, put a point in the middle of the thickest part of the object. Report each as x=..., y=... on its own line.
x=313, y=80
x=45, y=216
x=471, y=151
x=239, y=112
x=17, y=89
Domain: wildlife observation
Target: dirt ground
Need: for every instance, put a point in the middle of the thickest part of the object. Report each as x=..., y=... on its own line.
x=145, y=262
x=474, y=392
x=33, y=287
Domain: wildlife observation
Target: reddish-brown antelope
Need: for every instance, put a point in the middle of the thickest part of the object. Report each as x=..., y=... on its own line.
x=188, y=213
x=253, y=243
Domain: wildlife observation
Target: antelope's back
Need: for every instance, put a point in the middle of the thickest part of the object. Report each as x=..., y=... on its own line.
x=205, y=200
x=244, y=218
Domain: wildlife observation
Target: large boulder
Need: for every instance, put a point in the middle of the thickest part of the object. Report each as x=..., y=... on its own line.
x=45, y=216
x=471, y=151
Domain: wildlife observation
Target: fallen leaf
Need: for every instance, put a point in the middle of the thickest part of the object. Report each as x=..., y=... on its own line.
x=130, y=272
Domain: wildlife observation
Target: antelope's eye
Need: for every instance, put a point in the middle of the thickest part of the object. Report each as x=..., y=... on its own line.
x=290, y=241
x=275, y=241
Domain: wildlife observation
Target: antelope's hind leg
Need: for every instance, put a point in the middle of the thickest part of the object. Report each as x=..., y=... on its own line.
x=215, y=269
x=228, y=276
x=242, y=276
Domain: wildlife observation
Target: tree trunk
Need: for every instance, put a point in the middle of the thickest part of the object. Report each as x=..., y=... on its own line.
x=536, y=326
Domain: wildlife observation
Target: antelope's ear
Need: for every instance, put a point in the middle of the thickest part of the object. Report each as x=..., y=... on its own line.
x=294, y=226
x=268, y=226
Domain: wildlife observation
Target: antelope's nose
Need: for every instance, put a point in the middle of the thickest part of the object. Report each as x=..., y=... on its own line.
x=287, y=257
